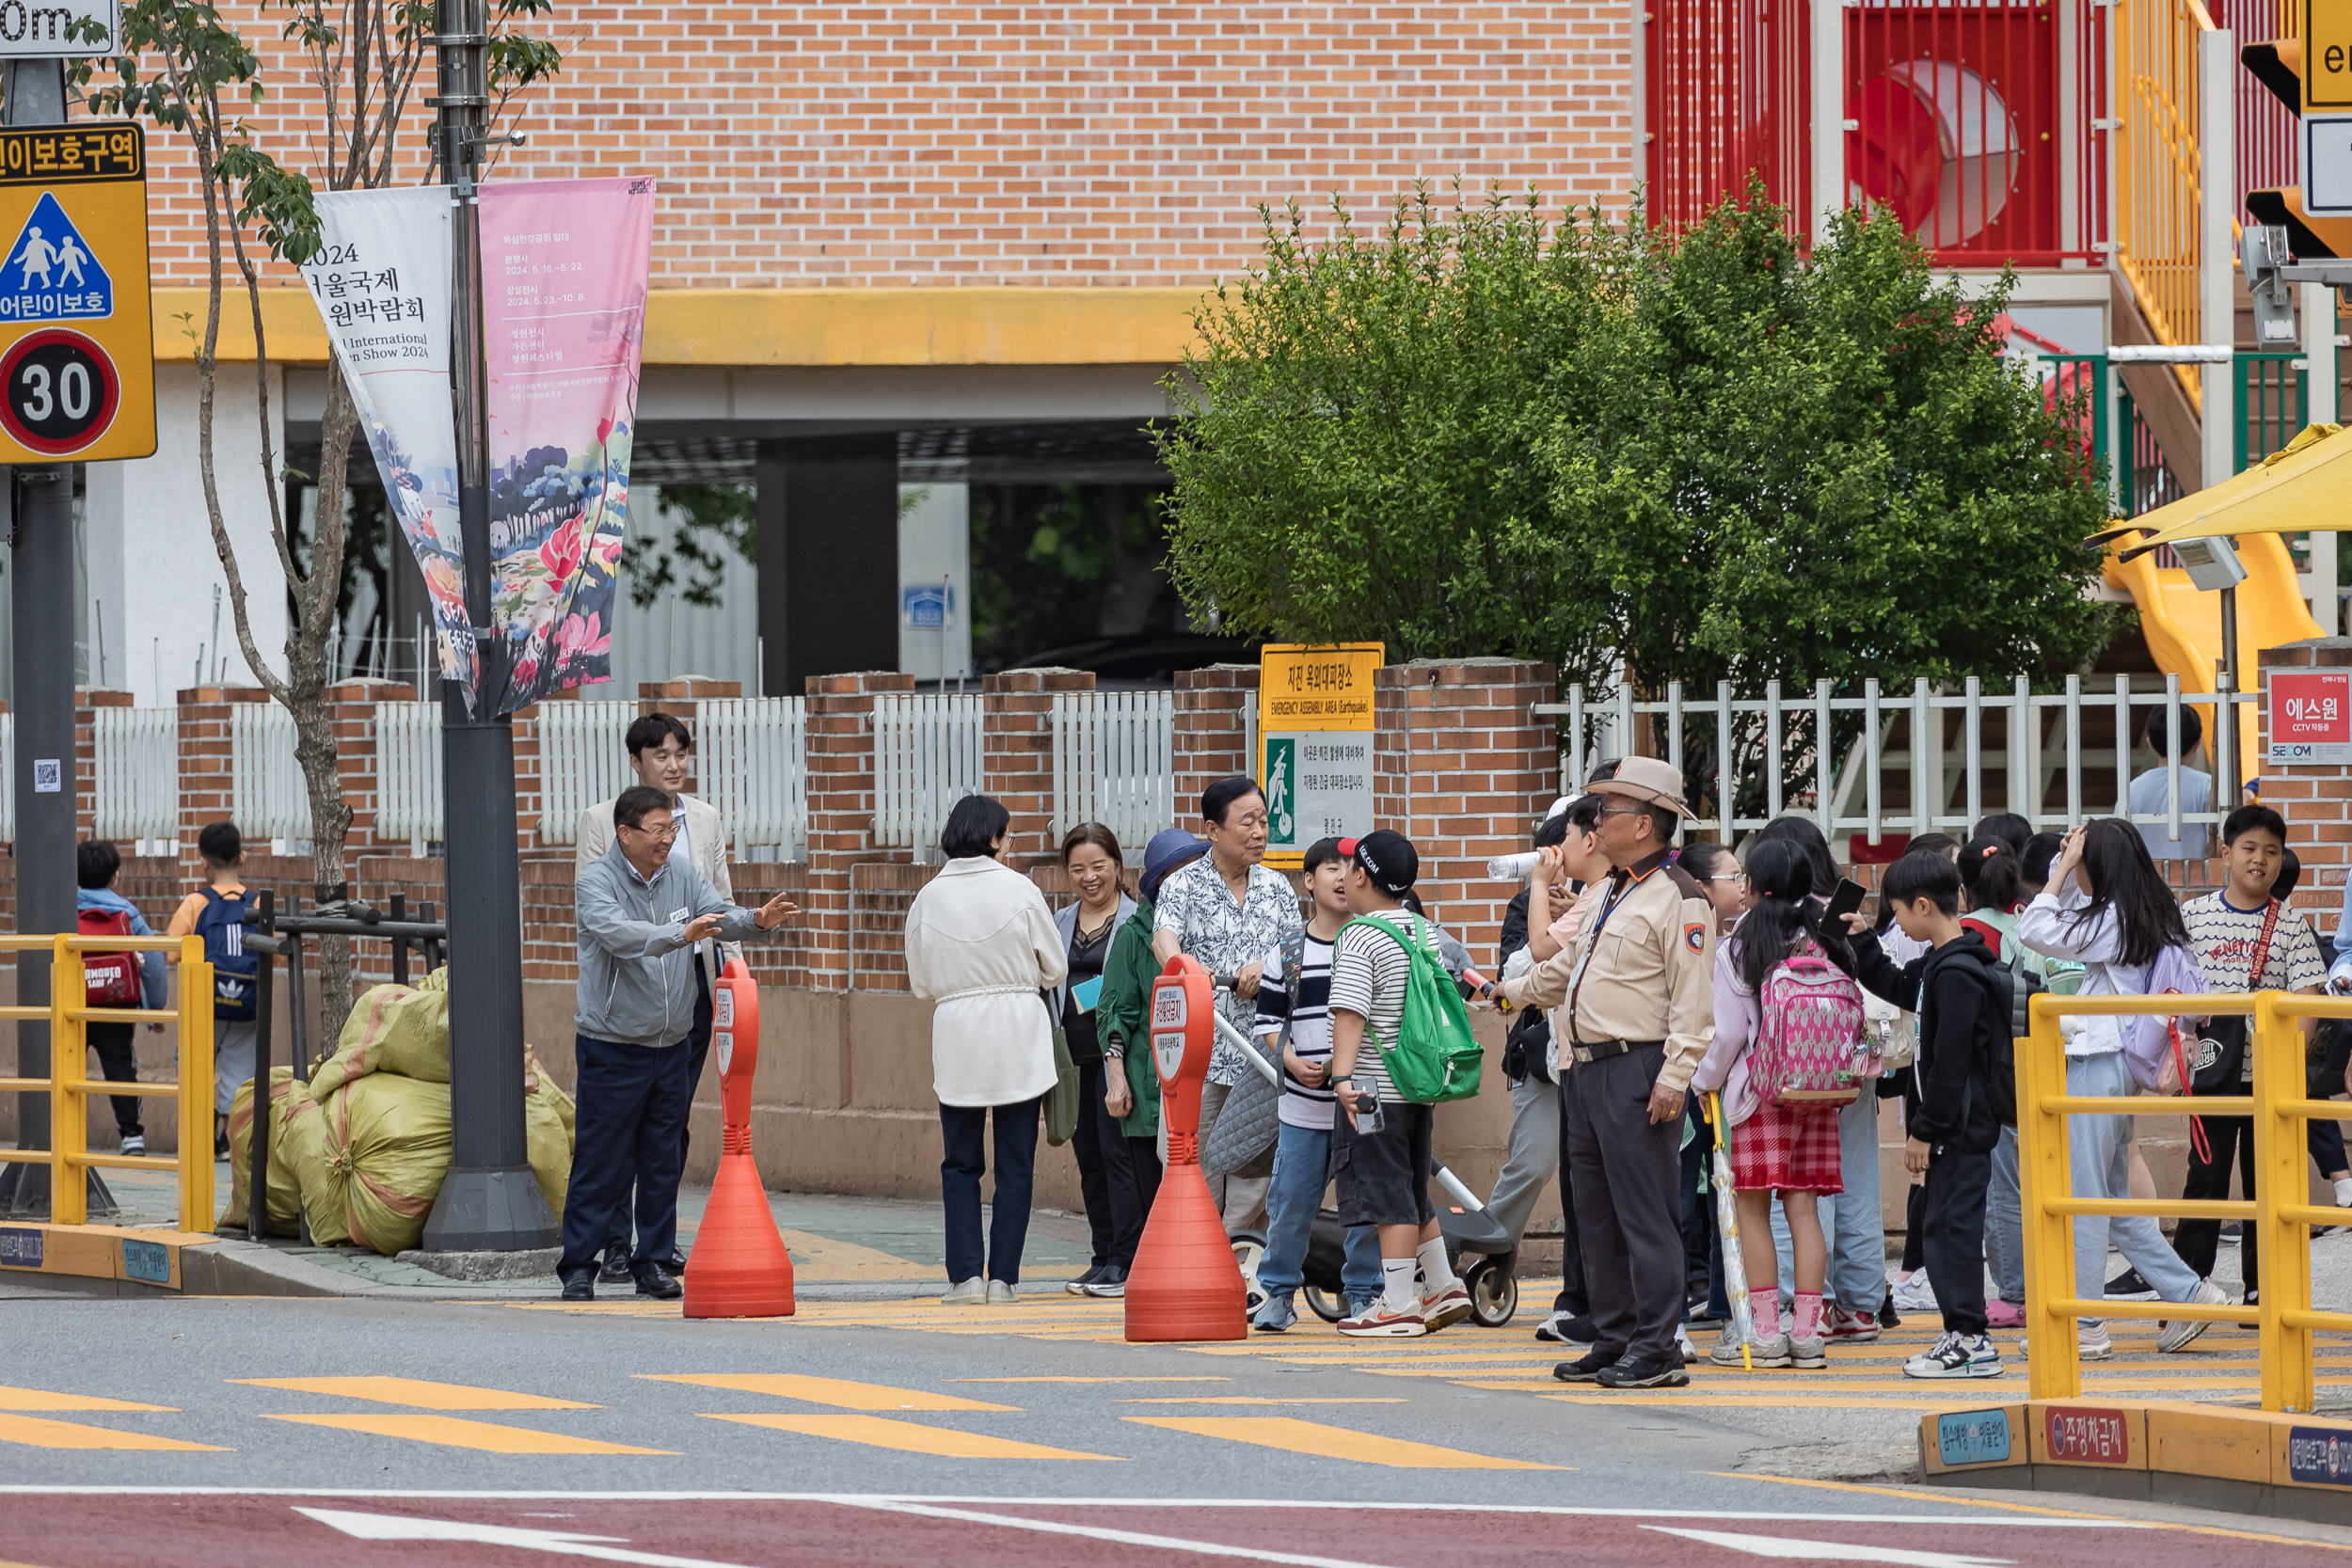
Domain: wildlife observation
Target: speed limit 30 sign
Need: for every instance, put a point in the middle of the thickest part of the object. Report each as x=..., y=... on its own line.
x=77, y=348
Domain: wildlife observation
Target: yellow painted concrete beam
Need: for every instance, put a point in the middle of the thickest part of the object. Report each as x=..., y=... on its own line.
x=791, y=326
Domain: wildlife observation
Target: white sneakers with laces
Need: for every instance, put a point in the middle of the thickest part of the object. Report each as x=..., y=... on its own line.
x=1956, y=1355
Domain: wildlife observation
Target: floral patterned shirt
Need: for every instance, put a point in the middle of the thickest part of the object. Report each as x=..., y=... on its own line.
x=1228, y=937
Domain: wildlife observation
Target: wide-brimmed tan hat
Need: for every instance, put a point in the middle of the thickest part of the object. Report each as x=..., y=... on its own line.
x=1646, y=778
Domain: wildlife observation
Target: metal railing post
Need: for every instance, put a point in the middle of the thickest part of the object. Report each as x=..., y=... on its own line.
x=69, y=1067
x=1824, y=765
x=196, y=1102
x=2288, y=1379
x=2053, y=1364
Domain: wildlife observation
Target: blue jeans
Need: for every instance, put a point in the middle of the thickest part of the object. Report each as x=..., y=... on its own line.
x=2005, y=1222
x=1302, y=1168
x=2098, y=1157
x=963, y=1130
x=1851, y=1221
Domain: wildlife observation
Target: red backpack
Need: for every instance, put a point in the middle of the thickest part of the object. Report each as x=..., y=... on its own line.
x=112, y=978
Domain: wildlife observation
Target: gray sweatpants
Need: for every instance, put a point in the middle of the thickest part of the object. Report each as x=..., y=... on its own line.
x=232, y=1060
x=1532, y=1157
x=1626, y=1173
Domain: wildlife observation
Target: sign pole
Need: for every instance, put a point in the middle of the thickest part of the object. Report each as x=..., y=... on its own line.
x=491, y=1201
x=41, y=644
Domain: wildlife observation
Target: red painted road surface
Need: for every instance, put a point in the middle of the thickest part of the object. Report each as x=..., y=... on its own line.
x=86, y=1531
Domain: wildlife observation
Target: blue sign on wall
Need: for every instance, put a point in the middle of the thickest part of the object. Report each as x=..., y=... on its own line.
x=1973, y=1437
x=2318, y=1456
x=147, y=1260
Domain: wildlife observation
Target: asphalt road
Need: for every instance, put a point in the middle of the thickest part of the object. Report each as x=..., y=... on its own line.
x=365, y=1430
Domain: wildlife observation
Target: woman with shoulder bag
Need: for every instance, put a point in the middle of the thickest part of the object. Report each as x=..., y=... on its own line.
x=1106, y=1174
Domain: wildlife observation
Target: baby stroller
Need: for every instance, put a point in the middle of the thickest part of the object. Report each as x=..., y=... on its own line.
x=1481, y=1252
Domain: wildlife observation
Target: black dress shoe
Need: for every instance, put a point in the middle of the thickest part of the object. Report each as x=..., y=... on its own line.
x=616, y=1270
x=1587, y=1369
x=580, y=1287
x=654, y=1281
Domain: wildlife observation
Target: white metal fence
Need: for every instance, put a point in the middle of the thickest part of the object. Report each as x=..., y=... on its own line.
x=267, y=798
x=2042, y=741
x=752, y=763
x=927, y=757
x=135, y=787
x=1115, y=763
x=581, y=761
x=408, y=772
x=8, y=777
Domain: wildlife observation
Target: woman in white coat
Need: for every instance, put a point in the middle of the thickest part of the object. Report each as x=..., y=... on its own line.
x=981, y=943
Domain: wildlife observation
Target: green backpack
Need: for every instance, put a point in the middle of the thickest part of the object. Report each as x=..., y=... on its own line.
x=1434, y=1058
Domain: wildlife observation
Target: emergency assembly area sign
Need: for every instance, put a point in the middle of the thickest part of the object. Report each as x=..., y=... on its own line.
x=1315, y=743
x=77, y=345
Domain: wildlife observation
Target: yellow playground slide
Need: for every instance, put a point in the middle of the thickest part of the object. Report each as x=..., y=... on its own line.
x=2183, y=624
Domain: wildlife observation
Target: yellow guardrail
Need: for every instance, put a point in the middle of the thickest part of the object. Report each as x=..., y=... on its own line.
x=2277, y=1219
x=70, y=1087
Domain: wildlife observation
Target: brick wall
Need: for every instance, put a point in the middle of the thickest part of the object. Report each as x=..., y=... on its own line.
x=1017, y=745
x=1212, y=742
x=959, y=143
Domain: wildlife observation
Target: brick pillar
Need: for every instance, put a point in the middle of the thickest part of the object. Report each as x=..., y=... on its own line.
x=840, y=812
x=352, y=708
x=88, y=700
x=204, y=777
x=1465, y=766
x=2315, y=799
x=1017, y=752
x=1212, y=731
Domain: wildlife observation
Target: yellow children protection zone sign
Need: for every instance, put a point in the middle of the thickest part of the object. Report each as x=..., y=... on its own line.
x=77, y=344
x=1315, y=744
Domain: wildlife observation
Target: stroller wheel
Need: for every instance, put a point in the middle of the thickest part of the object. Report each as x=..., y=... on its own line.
x=1247, y=1249
x=1494, y=1292
x=1325, y=1306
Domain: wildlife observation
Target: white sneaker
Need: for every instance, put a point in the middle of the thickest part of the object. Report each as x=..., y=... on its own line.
x=2091, y=1343
x=1915, y=1293
x=1763, y=1352
x=1955, y=1356
x=134, y=1145
x=1001, y=1294
x=2177, y=1334
x=966, y=1292
x=1682, y=1342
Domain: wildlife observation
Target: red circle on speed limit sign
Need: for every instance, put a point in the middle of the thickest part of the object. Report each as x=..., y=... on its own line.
x=58, y=391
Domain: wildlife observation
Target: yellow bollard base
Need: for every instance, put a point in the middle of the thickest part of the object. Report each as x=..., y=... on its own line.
x=2199, y=1455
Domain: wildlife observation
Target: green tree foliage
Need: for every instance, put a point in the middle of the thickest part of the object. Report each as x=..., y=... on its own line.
x=1702, y=456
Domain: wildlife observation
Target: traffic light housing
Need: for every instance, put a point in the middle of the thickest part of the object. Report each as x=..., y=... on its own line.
x=2281, y=66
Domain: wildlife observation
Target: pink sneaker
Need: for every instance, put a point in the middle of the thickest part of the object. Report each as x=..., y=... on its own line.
x=2004, y=1314
x=1844, y=1323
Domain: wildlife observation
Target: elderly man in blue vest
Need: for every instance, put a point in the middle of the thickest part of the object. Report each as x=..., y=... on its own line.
x=641, y=912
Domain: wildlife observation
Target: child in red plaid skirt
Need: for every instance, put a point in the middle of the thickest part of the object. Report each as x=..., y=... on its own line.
x=1775, y=1149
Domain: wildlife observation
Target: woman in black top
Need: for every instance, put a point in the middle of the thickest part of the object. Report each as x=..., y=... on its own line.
x=1106, y=1176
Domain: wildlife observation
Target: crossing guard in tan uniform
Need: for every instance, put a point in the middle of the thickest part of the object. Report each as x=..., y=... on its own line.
x=1636, y=994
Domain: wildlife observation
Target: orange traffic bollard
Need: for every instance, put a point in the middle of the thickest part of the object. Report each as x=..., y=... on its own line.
x=1184, y=1283
x=738, y=1267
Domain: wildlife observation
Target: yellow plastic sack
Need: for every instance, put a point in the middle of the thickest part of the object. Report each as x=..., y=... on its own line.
x=285, y=1200
x=395, y=1029
x=387, y=1148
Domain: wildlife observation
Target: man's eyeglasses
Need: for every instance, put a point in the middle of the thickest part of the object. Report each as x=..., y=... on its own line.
x=668, y=832
x=1622, y=811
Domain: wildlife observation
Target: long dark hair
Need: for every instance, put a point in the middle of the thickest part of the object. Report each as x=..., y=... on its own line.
x=2124, y=878
x=1802, y=833
x=1991, y=873
x=1780, y=874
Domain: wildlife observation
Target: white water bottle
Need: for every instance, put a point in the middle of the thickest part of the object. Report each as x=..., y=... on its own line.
x=1514, y=868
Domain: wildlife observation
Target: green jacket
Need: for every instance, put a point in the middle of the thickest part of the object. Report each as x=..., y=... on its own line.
x=1124, y=1010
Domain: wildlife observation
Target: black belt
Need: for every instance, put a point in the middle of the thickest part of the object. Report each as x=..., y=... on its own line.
x=1602, y=1050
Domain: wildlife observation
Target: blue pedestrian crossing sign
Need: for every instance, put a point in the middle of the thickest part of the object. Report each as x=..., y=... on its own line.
x=51, y=274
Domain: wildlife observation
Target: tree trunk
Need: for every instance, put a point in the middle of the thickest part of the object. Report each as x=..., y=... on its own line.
x=314, y=724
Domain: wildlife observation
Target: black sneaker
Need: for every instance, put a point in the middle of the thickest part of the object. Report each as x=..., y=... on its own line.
x=2128, y=1286
x=1562, y=1329
x=1585, y=1369
x=580, y=1287
x=1078, y=1286
x=1109, y=1283
x=1888, y=1317
x=2231, y=1232
x=1630, y=1373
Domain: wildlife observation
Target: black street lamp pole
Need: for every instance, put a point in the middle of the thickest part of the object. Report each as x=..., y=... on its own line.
x=491, y=1201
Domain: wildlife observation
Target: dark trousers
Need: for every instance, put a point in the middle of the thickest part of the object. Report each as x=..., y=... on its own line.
x=1629, y=1212
x=697, y=1047
x=963, y=1129
x=1106, y=1174
x=2197, y=1240
x=1143, y=1157
x=1951, y=1228
x=632, y=1110
x=1916, y=1231
x=1573, y=1299
x=120, y=1064
x=1701, y=1242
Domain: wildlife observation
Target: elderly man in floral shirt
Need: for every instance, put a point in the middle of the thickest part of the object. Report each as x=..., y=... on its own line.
x=1230, y=913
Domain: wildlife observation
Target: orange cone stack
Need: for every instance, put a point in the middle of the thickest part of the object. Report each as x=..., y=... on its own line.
x=738, y=1267
x=1184, y=1283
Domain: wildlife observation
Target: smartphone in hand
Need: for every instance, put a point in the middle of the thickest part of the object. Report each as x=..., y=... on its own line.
x=1845, y=901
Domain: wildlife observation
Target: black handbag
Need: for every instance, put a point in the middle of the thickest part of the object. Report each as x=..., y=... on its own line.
x=2219, y=1062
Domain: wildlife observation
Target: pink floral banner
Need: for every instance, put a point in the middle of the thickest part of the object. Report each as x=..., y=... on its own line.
x=564, y=266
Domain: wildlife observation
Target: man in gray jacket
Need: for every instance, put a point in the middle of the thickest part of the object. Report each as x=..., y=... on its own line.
x=641, y=913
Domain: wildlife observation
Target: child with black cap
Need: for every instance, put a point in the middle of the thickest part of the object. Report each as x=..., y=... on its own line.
x=1382, y=1148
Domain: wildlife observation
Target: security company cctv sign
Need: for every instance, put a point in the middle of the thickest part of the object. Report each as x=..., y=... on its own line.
x=77, y=346
x=59, y=29
x=1315, y=743
x=2309, y=714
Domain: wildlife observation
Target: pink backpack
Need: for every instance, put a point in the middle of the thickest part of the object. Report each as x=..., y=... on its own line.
x=1811, y=1048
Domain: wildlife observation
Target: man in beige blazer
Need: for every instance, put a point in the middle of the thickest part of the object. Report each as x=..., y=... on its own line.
x=661, y=755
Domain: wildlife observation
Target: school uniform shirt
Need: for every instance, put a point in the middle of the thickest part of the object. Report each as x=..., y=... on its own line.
x=2223, y=937
x=1227, y=937
x=1309, y=1015
x=1641, y=967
